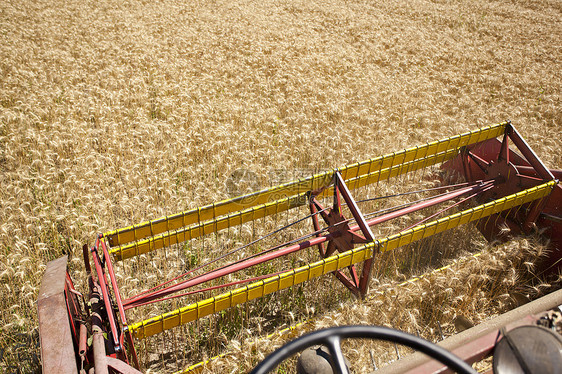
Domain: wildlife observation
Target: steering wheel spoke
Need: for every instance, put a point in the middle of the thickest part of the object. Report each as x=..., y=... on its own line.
x=338, y=361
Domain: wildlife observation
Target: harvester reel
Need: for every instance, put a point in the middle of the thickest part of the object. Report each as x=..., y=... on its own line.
x=498, y=188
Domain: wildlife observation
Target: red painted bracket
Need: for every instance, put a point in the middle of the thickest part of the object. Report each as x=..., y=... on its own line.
x=513, y=173
x=343, y=237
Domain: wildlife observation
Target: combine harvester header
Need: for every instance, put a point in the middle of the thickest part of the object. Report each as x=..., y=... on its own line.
x=493, y=187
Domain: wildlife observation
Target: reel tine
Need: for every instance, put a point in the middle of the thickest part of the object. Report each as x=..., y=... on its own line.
x=440, y=331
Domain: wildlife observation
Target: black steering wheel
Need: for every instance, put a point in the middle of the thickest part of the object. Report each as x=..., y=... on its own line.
x=332, y=337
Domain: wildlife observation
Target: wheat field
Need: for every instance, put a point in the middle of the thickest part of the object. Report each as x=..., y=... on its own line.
x=114, y=112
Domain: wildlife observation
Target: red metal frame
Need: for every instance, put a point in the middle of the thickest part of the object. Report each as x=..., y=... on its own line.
x=337, y=230
x=491, y=169
x=493, y=175
x=119, y=302
x=347, y=238
x=105, y=294
x=514, y=172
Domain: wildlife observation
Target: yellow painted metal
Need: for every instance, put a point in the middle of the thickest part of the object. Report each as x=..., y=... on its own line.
x=190, y=232
x=290, y=278
x=233, y=219
x=148, y=236
x=286, y=190
x=291, y=330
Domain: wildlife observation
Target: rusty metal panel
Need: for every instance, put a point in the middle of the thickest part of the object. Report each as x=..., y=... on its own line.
x=57, y=346
x=459, y=344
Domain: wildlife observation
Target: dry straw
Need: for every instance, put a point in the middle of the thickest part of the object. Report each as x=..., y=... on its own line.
x=113, y=112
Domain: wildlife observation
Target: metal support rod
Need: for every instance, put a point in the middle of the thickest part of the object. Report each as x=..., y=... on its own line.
x=224, y=285
x=316, y=226
x=105, y=293
x=422, y=205
x=530, y=171
x=503, y=154
x=353, y=208
x=118, y=301
x=365, y=276
x=465, y=158
x=363, y=281
x=98, y=341
x=529, y=154
x=82, y=344
x=100, y=363
x=336, y=206
x=447, y=208
x=232, y=268
x=534, y=212
x=480, y=162
x=86, y=259
x=351, y=285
